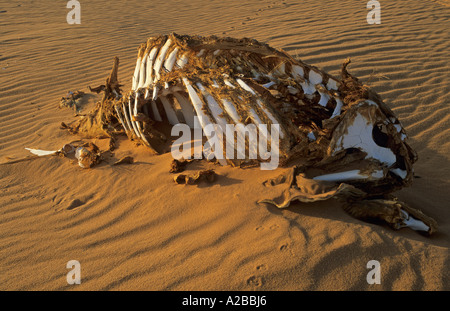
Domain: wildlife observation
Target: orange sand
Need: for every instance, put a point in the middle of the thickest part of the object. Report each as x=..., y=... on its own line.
x=132, y=228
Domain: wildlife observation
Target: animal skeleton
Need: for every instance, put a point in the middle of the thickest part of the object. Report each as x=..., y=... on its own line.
x=350, y=144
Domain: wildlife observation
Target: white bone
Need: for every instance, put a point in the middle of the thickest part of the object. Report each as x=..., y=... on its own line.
x=269, y=84
x=399, y=172
x=359, y=135
x=324, y=99
x=155, y=111
x=227, y=82
x=181, y=62
x=332, y=84
x=215, y=109
x=150, y=61
x=119, y=115
x=349, y=175
x=413, y=223
x=160, y=59
x=136, y=123
x=133, y=123
x=216, y=112
x=170, y=61
x=337, y=109
x=155, y=92
x=245, y=86
x=186, y=109
x=215, y=84
x=315, y=77
x=255, y=117
x=136, y=74
x=41, y=153
x=136, y=101
x=308, y=88
x=199, y=54
x=170, y=112
x=127, y=119
x=142, y=72
x=231, y=110
x=298, y=71
x=198, y=104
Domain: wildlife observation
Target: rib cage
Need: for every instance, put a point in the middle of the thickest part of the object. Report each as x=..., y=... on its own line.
x=227, y=81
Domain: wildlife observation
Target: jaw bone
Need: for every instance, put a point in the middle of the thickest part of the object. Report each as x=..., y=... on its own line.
x=413, y=223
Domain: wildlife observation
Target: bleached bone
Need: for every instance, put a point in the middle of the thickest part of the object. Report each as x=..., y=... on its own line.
x=155, y=92
x=119, y=114
x=170, y=112
x=216, y=111
x=337, y=109
x=231, y=110
x=315, y=77
x=150, y=61
x=127, y=119
x=359, y=135
x=298, y=71
x=200, y=54
x=332, y=84
x=135, y=113
x=246, y=87
x=269, y=84
x=186, y=109
x=399, y=172
x=42, y=153
x=133, y=123
x=413, y=223
x=170, y=61
x=182, y=61
x=160, y=59
x=307, y=87
x=142, y=72
x=155, y=111
x=136, y=74
x=349, y=175
x=324, y=98
x=197, y=103
x=228, y=83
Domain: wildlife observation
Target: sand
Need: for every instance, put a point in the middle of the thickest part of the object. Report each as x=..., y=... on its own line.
x=132, y=228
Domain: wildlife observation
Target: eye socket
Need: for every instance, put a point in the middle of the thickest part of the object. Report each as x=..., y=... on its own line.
x=380, y=135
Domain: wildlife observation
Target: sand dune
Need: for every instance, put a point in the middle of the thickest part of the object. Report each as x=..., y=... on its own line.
x=132, y=228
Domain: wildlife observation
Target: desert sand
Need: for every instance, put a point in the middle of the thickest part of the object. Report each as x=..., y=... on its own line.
x=132, y=228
